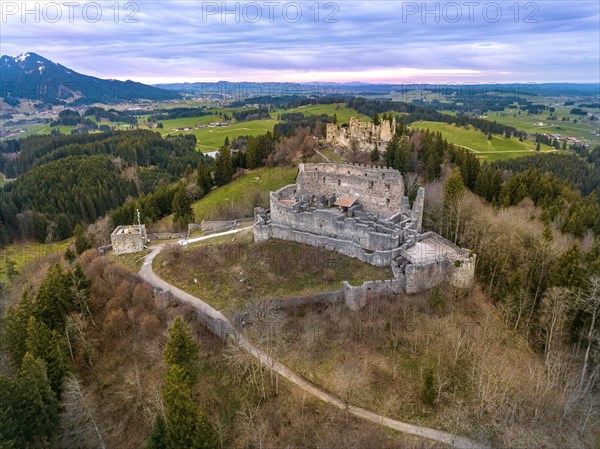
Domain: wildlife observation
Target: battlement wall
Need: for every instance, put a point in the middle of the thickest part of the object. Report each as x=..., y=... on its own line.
x=380, y=190
x=332, y=223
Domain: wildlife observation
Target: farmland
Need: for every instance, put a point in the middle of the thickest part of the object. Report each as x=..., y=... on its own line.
x=498, y=148
x=340, y=109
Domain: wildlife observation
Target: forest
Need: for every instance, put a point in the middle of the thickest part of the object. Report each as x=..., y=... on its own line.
x=59, y=185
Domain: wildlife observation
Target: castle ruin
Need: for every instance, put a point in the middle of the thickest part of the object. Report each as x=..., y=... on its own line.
x=129, y=239
x=364, y=135
x=361, y=211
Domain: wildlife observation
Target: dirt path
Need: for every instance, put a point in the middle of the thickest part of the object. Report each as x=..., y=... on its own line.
x=148, y=275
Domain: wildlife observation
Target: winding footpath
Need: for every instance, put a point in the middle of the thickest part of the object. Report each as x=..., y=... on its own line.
x=148, y=275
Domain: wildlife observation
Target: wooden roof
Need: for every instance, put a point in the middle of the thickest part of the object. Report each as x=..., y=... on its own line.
x=345, y=201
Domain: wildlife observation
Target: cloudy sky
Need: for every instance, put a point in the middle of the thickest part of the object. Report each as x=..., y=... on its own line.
x=342, y=41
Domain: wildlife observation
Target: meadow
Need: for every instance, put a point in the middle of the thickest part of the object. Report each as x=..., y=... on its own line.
x=343, y=112
x=525, y=122
x=474, y=140
x=24, y=253
x=210, y=139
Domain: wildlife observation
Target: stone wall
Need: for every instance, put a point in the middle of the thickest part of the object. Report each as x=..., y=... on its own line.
x=331, y=223
x=356, y=297
x=364, y=135
x=379, y=190
x=264, y=232
x=128, y=239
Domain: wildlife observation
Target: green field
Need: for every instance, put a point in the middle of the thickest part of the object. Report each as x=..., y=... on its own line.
x=238, y=198
x=171, y=125
x=343, y=113
x=28, y=252
x=582, y=129
x=498, y=148
x=210, y=139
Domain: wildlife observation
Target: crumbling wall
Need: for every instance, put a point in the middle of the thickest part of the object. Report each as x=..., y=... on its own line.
x=331, y=223
x=380, y=190
x=128, y=239
x=356, y=297
x=364, y=135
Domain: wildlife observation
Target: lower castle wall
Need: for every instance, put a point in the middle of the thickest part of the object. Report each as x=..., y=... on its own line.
x=356, y=297
x=273, y=231
x=421, y=277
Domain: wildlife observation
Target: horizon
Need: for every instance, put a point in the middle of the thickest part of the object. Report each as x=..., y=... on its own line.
x=338, y=42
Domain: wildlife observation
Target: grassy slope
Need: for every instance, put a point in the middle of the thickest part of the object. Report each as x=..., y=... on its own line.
x=582, y=129
x=242, y=193
x=210, y=139
x=498, y=148
x=25, y=253
x=343, y=113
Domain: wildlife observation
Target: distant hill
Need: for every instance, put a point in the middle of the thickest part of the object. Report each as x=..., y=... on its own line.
x=33, y=77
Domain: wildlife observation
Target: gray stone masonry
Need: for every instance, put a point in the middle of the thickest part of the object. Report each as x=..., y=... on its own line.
x=378, y=228
x=129, y=239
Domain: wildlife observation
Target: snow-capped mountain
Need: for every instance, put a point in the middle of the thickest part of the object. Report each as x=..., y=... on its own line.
x=31, y=76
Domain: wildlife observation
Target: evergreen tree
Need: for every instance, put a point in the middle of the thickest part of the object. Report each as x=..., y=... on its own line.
x=182, y=349
x=182, y=207
x=81, y=241
x=55, y=299
x=50, y=347
x=223, y=167
x=454, y=187
x=204, y=180
x=9, y=426
x=37, y=406
x=70, y=255
x=187, y=426
x=376, y=118
x=158, y=437
x=15, y=326
x=374, y=154
x=226, y=142
x=568, y=270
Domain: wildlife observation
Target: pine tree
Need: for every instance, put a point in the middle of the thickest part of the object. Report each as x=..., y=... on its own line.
x=223, y=167
x=15, y=326
x=158, y=437
x=182, y=206
x=50, y=347
x=568, y=269
x=70, y=255
x=374, y=154
x=181, y=349
x=376, y=118
x=9, y=426
x=37, y=406
x=55, y=298
x=187, y=426
x=204, y=180
x=81, y=241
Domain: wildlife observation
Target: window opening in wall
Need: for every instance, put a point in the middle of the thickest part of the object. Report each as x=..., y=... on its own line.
x=387, y=201
x=387, y=186
x=370, y=184
x=339, y=182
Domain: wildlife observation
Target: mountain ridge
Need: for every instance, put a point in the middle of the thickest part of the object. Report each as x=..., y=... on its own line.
x=30, y=76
